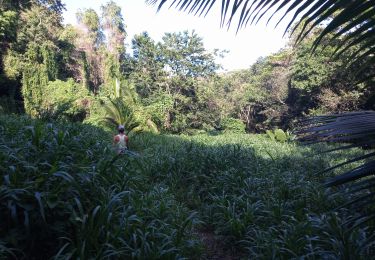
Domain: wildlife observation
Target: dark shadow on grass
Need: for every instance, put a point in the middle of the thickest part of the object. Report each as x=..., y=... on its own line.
x=241, y=185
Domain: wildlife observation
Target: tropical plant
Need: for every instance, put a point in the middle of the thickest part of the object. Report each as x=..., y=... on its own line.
x=355, y=129
x=172, y=69
x=253, y=197
x=279, y=135
x=233, y=125
x=120, y=113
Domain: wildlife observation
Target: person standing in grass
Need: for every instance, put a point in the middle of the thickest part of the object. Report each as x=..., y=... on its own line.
x=121, y=140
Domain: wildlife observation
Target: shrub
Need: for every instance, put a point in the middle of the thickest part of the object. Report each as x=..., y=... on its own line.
x=8, y=105
x=64, y=100
x=233, y=125
x=279, y=135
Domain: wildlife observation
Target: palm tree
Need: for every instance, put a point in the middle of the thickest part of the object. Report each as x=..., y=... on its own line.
x=119, y=113
x=351, y=20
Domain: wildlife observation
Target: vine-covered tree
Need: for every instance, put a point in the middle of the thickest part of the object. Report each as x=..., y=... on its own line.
x=90, y=44
x=114, y=30
x=33, y=59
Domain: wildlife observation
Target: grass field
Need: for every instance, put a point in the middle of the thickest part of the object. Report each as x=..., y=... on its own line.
x=65, y=194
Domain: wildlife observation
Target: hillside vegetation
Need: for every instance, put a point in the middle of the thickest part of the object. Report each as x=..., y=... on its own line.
x=65, y=193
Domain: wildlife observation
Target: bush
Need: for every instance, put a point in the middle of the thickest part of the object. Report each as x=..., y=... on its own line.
x=279, y=135
x=64, y=100
x=233, y=125
x=8, y=105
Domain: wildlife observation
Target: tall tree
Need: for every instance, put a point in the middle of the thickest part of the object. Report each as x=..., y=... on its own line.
x=114, y=30
x=16, y=32
x=148, y=72
x=90, y=44
x=168, y=73
x=33, y=58
x=186, y=61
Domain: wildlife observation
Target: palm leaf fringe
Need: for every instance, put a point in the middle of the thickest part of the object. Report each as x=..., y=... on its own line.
x=354, y=129
x=354, y=20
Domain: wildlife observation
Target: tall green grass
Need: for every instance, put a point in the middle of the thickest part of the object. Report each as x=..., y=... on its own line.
x=65, y=194
x=263, y=198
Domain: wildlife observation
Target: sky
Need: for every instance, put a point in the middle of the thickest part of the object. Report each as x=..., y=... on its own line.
x=244, y=47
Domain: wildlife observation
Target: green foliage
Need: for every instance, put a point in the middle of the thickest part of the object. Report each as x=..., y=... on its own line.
x=257, y=96
x=295, y=81
x=168, y=74
x=39, y=68
x=279, y=135
x=147, y=72
x=31, y=30
x=185, y=55
x=257, y=198
x=158, y=108
x=64, y=100
x=233, y=125
x=175, y=78
x=13, y=64
x=310, y=74
x=33, y=57
x=261, y=198
x=120, y=113
x=65, y=193
x=8, y=24
x=284, y=86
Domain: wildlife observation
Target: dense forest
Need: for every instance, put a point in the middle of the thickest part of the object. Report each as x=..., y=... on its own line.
x=50, y=70
x=214, y=170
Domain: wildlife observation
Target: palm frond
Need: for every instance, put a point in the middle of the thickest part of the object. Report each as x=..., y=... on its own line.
x=352, y=127
x=352, y=19
x=355, y=129
x=119, y=113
